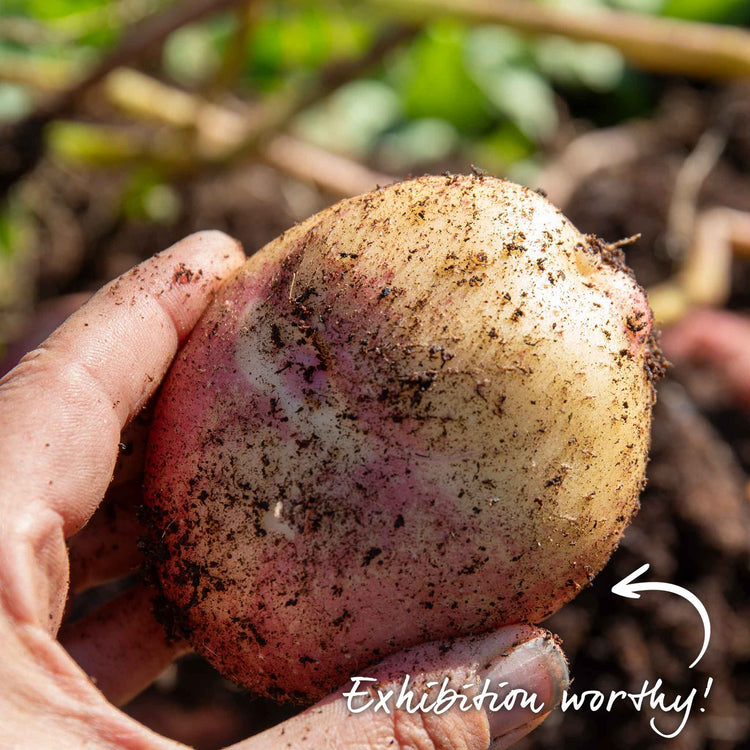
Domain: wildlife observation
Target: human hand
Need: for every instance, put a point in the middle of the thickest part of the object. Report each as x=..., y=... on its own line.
x=63, y=410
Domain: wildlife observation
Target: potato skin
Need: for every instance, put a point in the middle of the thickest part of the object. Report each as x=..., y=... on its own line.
x=422, y=413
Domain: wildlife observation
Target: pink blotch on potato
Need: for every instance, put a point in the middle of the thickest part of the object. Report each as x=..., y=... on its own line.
x=422, y=413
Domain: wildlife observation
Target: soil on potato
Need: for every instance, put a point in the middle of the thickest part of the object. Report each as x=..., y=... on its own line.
x=692, y=527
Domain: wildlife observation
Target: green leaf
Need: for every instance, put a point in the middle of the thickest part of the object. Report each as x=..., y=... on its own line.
x=9, y=234
x=54, y=9
x=526, y=98
x=638, y=6
x=190, y=55
x=489, y=48
x=598, y=67
x=433, y=81
x=352, y=118
x=504, y=146
x=15, y=102
x=417, y=142
x=283, y=42
x=727, y=11
x=80, y=142
x=147, y=197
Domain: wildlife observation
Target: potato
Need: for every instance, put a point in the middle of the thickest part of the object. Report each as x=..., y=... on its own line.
x=422, y=413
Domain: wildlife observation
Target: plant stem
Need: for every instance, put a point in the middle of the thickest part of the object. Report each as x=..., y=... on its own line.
x=22, y=141
x=662, y=45
x=234, y=56
x=140, y=38
x=220, y=134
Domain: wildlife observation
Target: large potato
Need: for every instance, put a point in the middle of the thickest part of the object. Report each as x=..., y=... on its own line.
x=424, y=412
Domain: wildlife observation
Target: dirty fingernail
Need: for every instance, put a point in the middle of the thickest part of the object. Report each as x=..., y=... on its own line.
x=528, y=681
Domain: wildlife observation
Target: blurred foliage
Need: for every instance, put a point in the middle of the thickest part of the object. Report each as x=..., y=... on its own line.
x=83, y=143
x=487, y=93
x=193, y=53
x=10, y=231
x=484, y=93
x=15, y=102
x=146, y=198
x=719, y=11
x=288, y=40
x=16, y=245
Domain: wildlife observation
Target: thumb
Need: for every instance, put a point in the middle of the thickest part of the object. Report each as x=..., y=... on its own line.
x=449, y=695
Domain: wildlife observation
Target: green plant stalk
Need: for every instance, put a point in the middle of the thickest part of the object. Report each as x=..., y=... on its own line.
x=661, y=45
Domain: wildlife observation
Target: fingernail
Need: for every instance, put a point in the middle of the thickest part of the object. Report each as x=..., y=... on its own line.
x=536, y=667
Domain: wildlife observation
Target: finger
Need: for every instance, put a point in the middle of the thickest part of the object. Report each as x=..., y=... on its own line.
x=121, y=646
x=718, y=339
x=524, y=657
x=47, y=702
x=64, y=406
x=106, y=548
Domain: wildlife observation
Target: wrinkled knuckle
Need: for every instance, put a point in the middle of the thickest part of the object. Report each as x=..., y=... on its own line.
x=31, y=366
x=32, y=577
x=410, y=731
x=453, y=731
x=44, y=366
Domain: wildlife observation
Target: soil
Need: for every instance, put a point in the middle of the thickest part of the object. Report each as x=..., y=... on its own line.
x=693, y=525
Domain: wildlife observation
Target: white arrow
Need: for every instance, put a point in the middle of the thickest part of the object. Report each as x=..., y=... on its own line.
x=627, y=588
